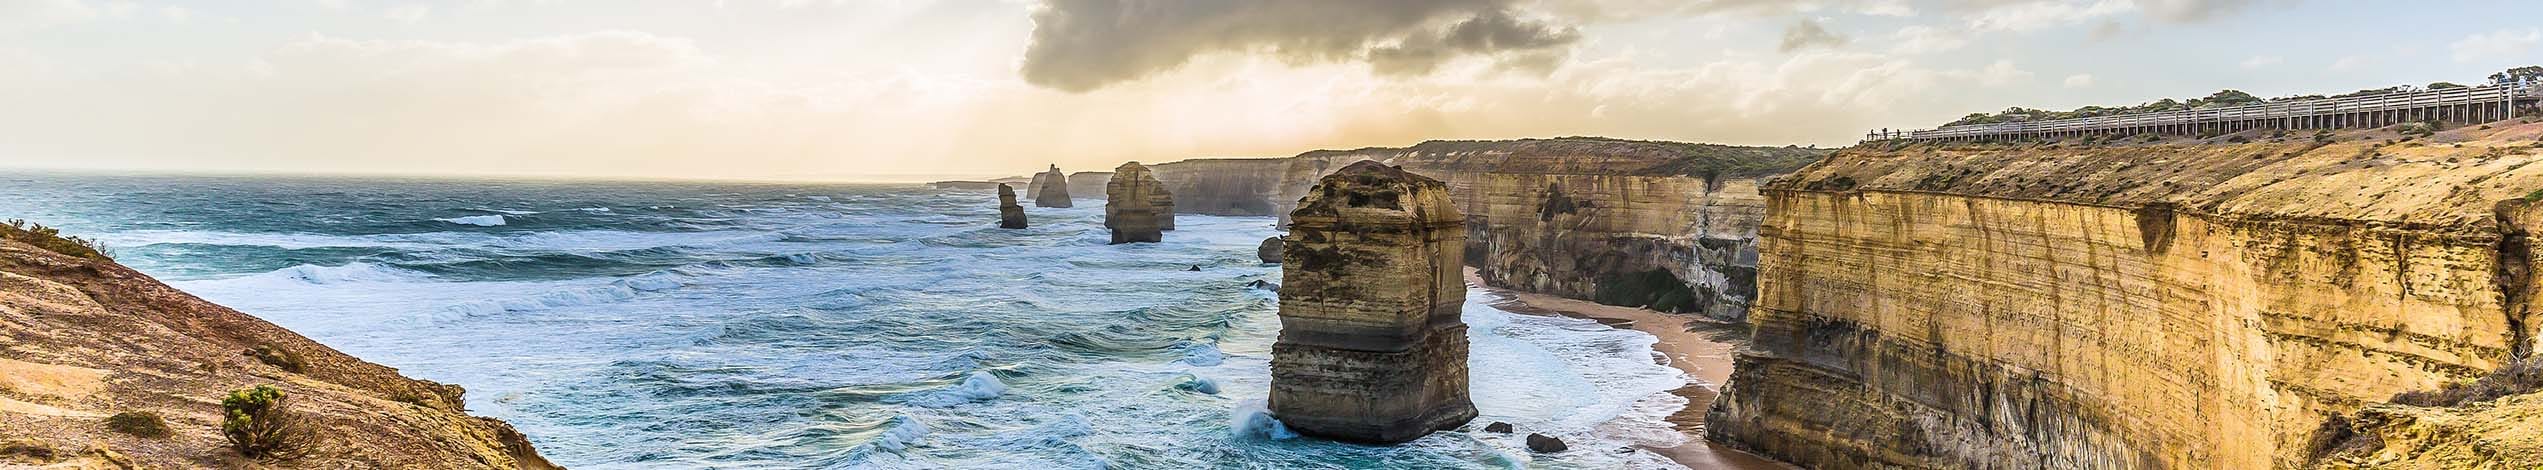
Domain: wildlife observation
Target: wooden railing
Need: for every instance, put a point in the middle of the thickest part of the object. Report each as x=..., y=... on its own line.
x=2505, y=96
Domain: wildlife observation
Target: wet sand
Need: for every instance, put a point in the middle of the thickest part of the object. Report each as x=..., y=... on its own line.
x=1701, y=348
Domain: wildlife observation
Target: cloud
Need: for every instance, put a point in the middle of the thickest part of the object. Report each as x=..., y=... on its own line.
x=2002, y=73
x=2191, y=10
x=1921, y=39
x=1081, y=45
x=31, y=14
x=2034, y=15
x=1607, y=10
x=2496, y=46
x=2081, y=80
x=410, y=14
x=2348, y=63
x=1484, y=34
x=2261, y=61
x=1807, y=34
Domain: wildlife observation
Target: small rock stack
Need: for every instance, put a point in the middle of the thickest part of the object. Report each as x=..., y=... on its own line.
x=1010, y=214
x=1050, y=188
x=1269, y=251
x=1131, y=205
x=1372, y=344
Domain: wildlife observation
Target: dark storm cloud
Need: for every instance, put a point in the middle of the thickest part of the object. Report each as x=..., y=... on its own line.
x=1081, y=45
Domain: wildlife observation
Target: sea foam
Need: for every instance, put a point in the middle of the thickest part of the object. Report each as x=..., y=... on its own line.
x=477, y=220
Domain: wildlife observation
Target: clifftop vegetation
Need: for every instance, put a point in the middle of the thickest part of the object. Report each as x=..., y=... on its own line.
x=2220, y=98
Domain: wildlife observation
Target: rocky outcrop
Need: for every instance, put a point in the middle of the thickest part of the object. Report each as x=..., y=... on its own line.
x=1010, y=214
x=1050, y=188
x=1269, y=251
x=1130, y=206
x=2144, y=305
x=1372, y=346
x=88, y=339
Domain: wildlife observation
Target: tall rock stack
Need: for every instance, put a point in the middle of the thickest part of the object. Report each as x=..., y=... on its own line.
x=1010, y=214
x=1131, y=205
x=1050, y=188
x=1372, y=346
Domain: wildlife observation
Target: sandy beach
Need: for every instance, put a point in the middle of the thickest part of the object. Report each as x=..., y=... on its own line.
x=1701, y=348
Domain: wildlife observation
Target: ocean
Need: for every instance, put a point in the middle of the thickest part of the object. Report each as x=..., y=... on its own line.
x=731, y=325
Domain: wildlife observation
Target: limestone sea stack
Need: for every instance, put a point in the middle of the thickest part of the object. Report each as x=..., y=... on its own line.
x=1131, y=205
x=1010, y=214
x=1372, y=346
x=1050, y=188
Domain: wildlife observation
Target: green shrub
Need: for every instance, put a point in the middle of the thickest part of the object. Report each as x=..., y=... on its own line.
x=279, y=357
x=51, y=239
x=259, y=424
x=139, y=423
x=2239, y=139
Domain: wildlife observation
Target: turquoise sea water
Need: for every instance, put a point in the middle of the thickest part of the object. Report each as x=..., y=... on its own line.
x=692, y=325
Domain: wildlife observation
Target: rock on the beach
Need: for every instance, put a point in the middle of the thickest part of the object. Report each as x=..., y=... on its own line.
x=1372, y=346
x=1050, y=188
x=1545, y=444
x=1130, y=205
x=1270, y=250
x=1010, y=214
x=1497, y=426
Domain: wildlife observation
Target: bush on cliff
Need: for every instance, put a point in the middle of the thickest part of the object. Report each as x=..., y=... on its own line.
x=259, y=423
x=2517, y=378
x=51, y=239
x=139, y=423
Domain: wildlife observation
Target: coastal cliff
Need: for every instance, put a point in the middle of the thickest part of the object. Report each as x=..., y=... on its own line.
x=1226, y=186
x=1638, y=223
x=90, y=342
x=2153, y=304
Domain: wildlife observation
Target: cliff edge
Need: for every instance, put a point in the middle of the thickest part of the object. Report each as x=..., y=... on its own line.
x=83, y=339
x=2138, y=302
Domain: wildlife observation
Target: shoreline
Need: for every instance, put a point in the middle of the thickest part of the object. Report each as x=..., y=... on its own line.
x=1702, y=349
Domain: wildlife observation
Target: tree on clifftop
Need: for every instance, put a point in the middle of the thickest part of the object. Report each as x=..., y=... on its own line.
x=2526, y=74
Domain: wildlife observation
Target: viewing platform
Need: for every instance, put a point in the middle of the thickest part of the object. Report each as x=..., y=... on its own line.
x=2462, y=105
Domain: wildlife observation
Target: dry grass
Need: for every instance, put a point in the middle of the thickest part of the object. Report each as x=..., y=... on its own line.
x=51, y=239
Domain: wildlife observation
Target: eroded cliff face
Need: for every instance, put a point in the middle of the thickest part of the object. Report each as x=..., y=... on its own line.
x=2147, y=305
x=1640, y=223
x=88, y=339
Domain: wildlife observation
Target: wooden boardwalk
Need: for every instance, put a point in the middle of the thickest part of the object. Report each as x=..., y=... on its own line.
x=2459, y=105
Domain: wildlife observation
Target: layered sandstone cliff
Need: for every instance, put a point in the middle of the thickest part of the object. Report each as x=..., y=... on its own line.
x=1372, y=343
x=1227, y=186
x=1641, y=223
x=2144, y=305
x=87, y=339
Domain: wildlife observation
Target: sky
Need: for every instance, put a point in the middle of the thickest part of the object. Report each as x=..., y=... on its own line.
x=905, y=90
